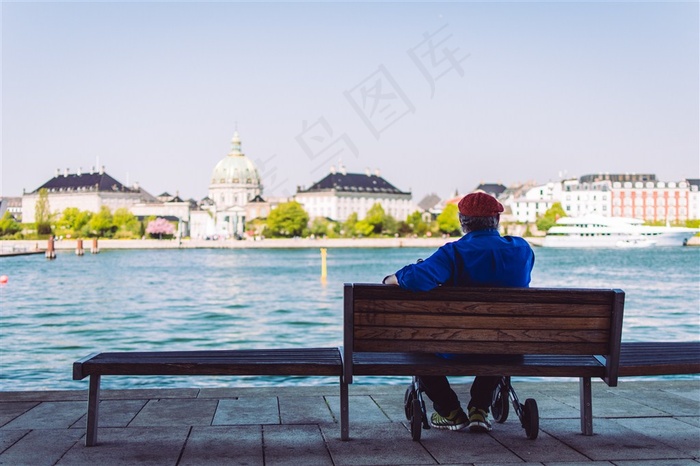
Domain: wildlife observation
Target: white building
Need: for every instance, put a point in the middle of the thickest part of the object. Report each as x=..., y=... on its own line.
x=535, y=202
x=234, y=183
x=340, y=194
x=85, y=191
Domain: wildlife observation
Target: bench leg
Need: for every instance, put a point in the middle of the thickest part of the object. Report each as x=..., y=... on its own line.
x=344, y=411
x=93, y=411
x=586, y=401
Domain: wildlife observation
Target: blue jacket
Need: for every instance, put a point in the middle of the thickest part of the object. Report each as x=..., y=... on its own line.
x=479, y=258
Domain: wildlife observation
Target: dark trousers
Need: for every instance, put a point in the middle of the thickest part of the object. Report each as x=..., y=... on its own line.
x=445, y=400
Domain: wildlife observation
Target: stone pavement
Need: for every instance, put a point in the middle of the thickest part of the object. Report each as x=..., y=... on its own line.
x=636, y=423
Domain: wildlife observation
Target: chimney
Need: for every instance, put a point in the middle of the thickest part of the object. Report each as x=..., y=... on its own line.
x=65, y=172
x=377, y=172
x=102, y=170
x=58, y=172
x=368, y=172
x=80, y=171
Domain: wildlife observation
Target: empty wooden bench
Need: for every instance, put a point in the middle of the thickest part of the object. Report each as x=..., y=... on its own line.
x=288, y=362
x=659, y=358
x=560, y=333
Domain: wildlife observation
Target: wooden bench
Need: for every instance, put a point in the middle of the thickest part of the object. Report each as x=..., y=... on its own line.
x=560, y=333
x=289, y=362
x=659, y=358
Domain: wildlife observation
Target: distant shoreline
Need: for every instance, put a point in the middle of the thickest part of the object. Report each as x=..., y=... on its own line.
x=11, y=247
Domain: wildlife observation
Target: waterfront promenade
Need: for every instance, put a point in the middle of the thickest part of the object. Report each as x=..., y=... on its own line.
x=651, y=423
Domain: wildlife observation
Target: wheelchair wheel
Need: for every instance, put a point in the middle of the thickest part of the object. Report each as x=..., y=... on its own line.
x=408, y=402
x=416, y=420
x=499, y=403
x=531, y=419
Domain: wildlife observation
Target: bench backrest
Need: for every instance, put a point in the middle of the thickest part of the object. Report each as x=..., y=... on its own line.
x=382, y=318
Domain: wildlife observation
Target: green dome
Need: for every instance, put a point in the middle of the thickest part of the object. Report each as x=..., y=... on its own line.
x=235, y=167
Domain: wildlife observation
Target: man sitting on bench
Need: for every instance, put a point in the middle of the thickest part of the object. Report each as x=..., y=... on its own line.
x=480, y=258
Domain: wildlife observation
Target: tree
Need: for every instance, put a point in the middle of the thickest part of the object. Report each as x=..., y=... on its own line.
x=160, y=227
x=375, y=218
x=416, y=223
x=550, y=217
x=127, y=224
x=42, y=213
x=448, y=220
x=349, y=225
x=73, y=220
x=101, y=222
x=321, y=226
x=8, y=225
x=287, y=220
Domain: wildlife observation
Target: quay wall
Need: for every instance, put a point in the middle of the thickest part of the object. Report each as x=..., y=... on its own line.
x=106, y=244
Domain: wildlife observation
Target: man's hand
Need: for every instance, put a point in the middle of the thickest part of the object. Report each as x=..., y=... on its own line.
x=390, y=280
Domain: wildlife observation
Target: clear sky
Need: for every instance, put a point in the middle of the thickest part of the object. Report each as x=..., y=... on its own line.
x=437, y=96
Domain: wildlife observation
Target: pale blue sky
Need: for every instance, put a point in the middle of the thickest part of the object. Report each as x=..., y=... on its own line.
x=154, y=91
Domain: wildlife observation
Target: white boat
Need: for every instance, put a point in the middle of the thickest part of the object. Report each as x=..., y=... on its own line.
x=596, y=231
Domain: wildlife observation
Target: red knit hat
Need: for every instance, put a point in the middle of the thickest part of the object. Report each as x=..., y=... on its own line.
x=479, y=205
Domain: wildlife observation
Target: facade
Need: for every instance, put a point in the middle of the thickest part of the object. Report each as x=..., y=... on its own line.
x=639, y=196
x=85, y=191
x=235, y=182
x=340, y=194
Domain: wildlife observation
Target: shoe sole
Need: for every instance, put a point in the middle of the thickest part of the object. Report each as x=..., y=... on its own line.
x=454, y=427
x=479, y=427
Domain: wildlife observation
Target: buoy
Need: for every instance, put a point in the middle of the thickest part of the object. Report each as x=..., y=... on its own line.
x=324, y=272
x=4, y=278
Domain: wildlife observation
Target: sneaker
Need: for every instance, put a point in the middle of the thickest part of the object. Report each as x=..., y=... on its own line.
x=479, y=420
x=455, y=421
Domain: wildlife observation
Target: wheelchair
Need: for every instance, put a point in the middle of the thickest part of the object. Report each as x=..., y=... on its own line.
x=503, y=396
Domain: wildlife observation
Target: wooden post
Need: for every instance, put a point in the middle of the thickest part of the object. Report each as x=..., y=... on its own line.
x=79, y=247
x=50, y=249
x=94, y=249
x=324, y=272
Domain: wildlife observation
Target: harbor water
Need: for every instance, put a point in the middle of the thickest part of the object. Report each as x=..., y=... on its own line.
x=56, y=312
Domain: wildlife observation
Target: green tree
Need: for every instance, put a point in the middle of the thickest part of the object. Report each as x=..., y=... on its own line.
x=72, y=221
x=416, y=223
x=448, y=220
x=101, y=223
x=42, y=213
x=349, y=225
x=8, y=225
x=550, y=217
x=375, y=218
x=287, y=220
x=321, y=226
x=128, y=226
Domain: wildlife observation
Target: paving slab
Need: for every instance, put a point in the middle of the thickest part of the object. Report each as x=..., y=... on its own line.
x=114, y=413
x=305, y=410
x=295, y=445
x=40, y=447
x=247, y=410
x=49, y=415
x=10, y=437
x=460, y=447
x=362, y=408
x=376, y=443
x=11, y=410
x=217, y=445
x=611, y=441
x=669, y=431
x=155, y=446
x=175, y=412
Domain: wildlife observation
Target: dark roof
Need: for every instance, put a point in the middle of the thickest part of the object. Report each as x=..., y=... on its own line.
x=257, y=198
x=354, y=182
x=176, y=199
x=491, y=188
x=693, y=181
x=85, y=182
x=429, y=201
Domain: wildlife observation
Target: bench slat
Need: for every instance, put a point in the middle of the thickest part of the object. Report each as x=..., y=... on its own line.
x=483, y=347
x=295, y=361
x=409, y=364
x=475, y=322
x=483, y=308
x=467, y=336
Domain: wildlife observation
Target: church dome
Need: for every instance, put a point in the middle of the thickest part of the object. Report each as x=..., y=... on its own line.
x=235, y=168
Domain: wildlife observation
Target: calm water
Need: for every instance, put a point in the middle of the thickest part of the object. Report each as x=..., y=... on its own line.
x=55, y=312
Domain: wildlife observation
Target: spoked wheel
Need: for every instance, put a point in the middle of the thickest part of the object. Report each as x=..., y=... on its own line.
x=408, y=402
x=499, y=403
x=416, y=419
x=531, y=419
